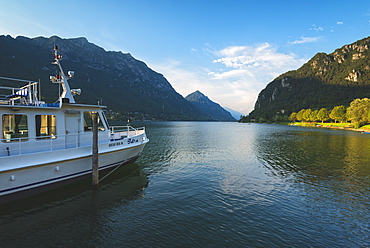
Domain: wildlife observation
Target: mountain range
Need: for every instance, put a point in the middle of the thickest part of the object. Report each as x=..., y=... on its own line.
x=325, y=81
x=127, y=86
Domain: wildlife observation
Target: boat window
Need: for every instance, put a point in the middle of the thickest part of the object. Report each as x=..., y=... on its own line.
x=45, y=126
x=14, y=127
x=88, y=122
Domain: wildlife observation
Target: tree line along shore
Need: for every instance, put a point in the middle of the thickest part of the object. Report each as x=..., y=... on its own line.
x=356, y=116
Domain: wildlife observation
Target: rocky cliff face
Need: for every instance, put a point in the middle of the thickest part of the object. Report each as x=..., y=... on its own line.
x=126, y=85
x=325, y=81
x=210, y=108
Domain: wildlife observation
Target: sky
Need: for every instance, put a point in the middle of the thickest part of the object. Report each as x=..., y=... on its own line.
x=227, y=49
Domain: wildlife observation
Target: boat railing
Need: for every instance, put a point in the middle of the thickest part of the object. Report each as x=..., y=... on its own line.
x=27, y=145
x=26, y=95
x=121, y=132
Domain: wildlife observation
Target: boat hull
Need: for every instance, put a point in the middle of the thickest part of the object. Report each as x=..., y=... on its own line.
x=20, y=182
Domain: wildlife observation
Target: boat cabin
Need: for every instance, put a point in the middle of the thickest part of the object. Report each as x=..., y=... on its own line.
x=42, y=128
x=29, y=125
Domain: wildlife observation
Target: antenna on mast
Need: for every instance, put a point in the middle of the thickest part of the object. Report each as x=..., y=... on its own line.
x=67, y=95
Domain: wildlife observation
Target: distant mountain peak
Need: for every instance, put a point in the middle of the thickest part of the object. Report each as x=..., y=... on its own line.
x=212, y=109
x=197, y=96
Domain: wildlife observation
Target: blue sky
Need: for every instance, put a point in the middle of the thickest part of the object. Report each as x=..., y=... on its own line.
x=229, y=50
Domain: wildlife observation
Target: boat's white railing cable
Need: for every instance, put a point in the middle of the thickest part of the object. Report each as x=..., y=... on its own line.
x=19, y=146
x=25, y=145
x=118, y=132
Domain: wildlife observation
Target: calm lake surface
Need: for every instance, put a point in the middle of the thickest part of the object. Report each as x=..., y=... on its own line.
x=204, y=184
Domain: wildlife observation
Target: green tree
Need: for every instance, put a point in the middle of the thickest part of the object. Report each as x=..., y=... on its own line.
x=323, y=115
x=299, y=115
x=358, y=112
x=338, y=113
x=313, y=115
x=306, y=115
x=293, y=117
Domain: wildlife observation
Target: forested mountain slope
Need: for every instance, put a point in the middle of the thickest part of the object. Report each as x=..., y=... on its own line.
x=325, y=81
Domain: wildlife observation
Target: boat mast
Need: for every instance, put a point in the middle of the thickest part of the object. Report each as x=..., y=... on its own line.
x=62, y=79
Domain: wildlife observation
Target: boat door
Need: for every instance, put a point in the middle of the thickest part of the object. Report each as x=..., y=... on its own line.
x=72, y=124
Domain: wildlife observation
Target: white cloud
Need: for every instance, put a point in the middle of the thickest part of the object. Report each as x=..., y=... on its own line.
x=262, y=58
x=230, y=74
x=234, y=78
x=232, y=51
x=340, y=23
x=316, y=28
x=248, y=69
x=303, y=40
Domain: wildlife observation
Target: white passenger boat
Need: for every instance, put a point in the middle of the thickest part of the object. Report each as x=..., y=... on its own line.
x=45, y=144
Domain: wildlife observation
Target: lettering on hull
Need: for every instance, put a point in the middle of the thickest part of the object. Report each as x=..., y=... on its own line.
x=120, y=143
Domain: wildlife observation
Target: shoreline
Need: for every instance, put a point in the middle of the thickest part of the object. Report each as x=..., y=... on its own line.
x=363, y=130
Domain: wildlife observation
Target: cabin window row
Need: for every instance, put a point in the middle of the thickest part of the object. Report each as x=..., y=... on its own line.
x=15, y=126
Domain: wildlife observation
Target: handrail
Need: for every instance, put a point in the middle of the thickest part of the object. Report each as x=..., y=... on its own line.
x=54, y=137
x=18, y=80
x=127, y=128
x=21, y=145
x=29, y=96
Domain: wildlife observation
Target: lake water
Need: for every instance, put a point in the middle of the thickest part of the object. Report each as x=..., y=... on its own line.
x=205, y=184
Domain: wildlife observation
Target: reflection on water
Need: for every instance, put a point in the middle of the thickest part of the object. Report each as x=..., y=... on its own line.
x=332, y=170
x=316, y=155
x=76, y=213
x=214, y=185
